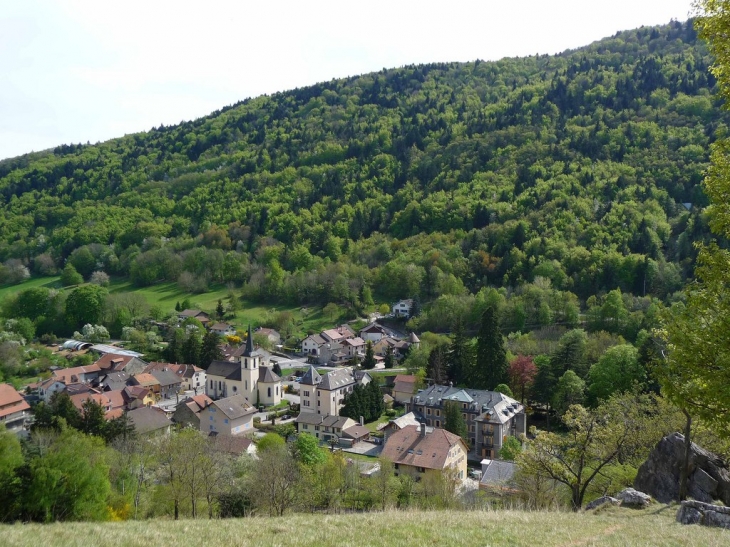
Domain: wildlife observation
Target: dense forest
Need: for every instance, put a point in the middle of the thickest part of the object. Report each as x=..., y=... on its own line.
x=556, y=179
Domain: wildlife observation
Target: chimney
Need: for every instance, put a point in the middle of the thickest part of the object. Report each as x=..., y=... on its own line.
x=423, y=429
x=451, y=384
x=362, y=421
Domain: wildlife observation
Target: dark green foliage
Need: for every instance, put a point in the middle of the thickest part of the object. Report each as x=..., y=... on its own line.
x=69, y=276
x=454, y=421
x=369, y=361
x=85, y=305
x=210, y=351
x=219, y=311
x=92, y=418
x=491, y=360
x=570, y=354
x=389, y=360
x=365, y=401
x=191, y=348
x=437, y=369
x=461, y=355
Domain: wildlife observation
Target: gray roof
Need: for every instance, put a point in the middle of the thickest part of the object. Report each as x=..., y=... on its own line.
x=268, y=376
x=497, y=471
x=491, y=405
x=326, y=420
x=231, y=370
x=234, y=407
x=147, y=419
x=166, y=377
x=105, y=348
x=114, y=381
x=317, y=339
x=310, y=378
x=336, y=379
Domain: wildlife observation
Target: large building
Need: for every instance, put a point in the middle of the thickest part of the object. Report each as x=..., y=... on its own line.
x=14, y=411
x=490, y=416
x=325, y=394
x=249, y=377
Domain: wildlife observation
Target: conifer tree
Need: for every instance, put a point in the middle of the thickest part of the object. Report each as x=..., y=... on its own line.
x=436, y=370
x=491, y=363
x=369, y=361
x=454, y=421
x=210, y=350
x=461, y=355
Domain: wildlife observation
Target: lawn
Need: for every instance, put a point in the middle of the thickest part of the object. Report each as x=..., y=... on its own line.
x=48, y=282
x=613, y=527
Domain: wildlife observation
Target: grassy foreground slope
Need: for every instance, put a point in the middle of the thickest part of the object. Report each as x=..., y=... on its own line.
x=515, y=528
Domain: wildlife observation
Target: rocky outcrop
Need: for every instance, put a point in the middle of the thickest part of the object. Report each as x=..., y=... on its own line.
x=658, y=476
x=601, y=501
x=696, y=512
x=633, y=498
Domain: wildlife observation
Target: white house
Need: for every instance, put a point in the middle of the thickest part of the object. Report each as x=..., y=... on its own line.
x=403, y=308
x=326, y=394
x=229, y=416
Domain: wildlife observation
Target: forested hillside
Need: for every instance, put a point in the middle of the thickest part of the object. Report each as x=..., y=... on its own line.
x=559, y=178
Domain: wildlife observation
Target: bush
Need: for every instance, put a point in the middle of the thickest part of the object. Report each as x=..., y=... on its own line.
x=99, y=278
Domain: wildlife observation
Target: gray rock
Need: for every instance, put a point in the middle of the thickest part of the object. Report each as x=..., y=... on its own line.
x=689, y=515
x=633, y=498
x=719, y=520
x=708, y=479
x=600, y=501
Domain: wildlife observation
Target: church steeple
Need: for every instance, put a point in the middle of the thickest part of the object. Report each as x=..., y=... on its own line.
x=249, y=343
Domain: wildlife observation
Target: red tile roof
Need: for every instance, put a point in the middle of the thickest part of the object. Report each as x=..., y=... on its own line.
x=11, y=401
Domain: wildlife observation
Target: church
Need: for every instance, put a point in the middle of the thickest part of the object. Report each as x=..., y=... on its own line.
x=249, y=376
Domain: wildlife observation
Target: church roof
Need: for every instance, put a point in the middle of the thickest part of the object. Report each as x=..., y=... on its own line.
x=311, y=377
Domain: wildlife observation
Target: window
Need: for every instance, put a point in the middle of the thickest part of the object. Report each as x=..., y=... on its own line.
x=305, y=426
x=316, y=428
x=438, y=423
x=319, y=403
x=305, y=393
x=277, y=390
x=438, y=413
x=211, y=418
x=269, y=392
x=245, y=385
x=428, y=411
x=225, y=421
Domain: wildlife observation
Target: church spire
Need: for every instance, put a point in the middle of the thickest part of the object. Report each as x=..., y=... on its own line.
x=249, y=343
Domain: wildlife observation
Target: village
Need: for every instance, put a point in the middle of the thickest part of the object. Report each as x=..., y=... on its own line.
x=244, y=395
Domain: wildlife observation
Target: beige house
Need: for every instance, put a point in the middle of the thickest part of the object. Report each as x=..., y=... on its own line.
x=404, y=387
x=325, y=395
x=418, y=451
x=490, y=416
x=229, y=416
x=14, y=410
x=258, y=384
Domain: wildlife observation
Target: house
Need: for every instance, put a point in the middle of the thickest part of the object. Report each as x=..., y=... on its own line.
x=404, y=387
x=326, y=394
x=201, y=316
x=102, y=400
x=312, y=345
x=229, y=416
x=354, y=347
x=137, y=396
x=256, y=383
x=490, y=416
x=222, y=329
x=146, y=380
x=273, y=336
x=118, y=403
x=396, y=424
x=169, y=383
x=113, y=380
x=111, y=362
x=77, y=375
x=14, y=410
x=417, y=451
x=188, y=411
x=192, y=378
x=149, y=421
x=403, y=308
x=235, y=445
x=373, y=332
x=343, y=332
x=47, y=388
x=398, y=347
x=497, y=476
x=323, y=427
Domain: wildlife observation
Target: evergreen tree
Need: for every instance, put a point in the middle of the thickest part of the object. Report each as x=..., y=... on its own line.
x=570, y=354
x=491, y=363
x=454, y=421
x=191, y=348
x=436, y=369
x=389, y=361
x=177, y=306
x=173, y=353
x=353, y=407
x=461, y=354
x=369, y=361
x=210, y=350
x=92, y=421
x=377, y=405
x=219, y=311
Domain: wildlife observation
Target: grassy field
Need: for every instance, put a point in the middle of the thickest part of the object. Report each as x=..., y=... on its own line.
x=167, y=295
x=614, y=527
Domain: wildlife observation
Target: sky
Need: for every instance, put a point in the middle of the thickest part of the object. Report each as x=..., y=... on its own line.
x=90, y=70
